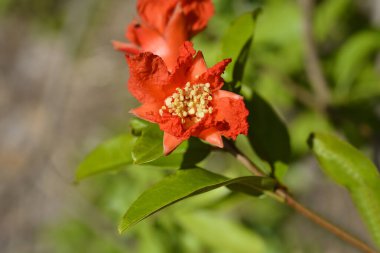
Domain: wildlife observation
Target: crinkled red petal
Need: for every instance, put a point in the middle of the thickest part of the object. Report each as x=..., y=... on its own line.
x=182, y=72
x=172, y=125
x=156, y=12
x=213, y=75
x=230, y=114
x=198, y=67
x=175, y=35
x=148, y=77
x=148, y=39
x=148, y=112
x=186, y=53
x=198, y=13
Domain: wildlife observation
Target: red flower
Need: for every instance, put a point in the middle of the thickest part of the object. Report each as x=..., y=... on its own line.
x=187, y=101
x=165, y=25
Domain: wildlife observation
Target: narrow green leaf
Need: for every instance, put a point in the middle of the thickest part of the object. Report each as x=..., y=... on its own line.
x=236, y=45
x=222, y=234
x=351, y=169
x=108, y=156
x=267, y=134
x=148, y=146
x=181, y=185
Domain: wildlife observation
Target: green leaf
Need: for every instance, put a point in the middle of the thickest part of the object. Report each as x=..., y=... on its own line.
x=351, y=169
x=186, y=155
x=236, y=45
x=280, y=170
x=148, y=146
x=222, y=234
x=137, y=125
x=302, y=125
x=174, y=160
x=267, y=134
x=149, y=150
x=156, y=157
x=351, y=57
x=110, y=155
x=181, y=185
x=195, y=153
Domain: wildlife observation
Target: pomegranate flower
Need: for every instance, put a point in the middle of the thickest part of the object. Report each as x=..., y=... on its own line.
x=187, y=101
x=165, y=25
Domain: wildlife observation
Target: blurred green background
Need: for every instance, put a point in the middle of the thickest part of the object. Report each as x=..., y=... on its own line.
x=62, y=91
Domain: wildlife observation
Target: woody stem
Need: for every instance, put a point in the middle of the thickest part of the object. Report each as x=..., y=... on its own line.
x=281, y=195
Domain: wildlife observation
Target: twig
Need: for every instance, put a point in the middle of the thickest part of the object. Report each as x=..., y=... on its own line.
x=281, y=195
x=250, y=165
x=324, y=223
x=313, y=65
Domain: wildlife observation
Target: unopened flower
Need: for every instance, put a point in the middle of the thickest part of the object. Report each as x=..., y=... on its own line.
x=164, y=26
x=187, y=101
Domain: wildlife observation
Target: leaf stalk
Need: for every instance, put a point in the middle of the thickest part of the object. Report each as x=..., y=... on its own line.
x=282, y=195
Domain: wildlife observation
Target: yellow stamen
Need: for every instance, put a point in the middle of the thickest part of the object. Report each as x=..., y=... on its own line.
x=192, y=102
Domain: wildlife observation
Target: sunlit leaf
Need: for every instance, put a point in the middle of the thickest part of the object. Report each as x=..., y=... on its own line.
x=110, y=155
x=302, y=125
x=148, y=146
x=280, y=170
x=267, y=134
x=149, y=150
x=154, y=157
x=174, y=160
x=137, y=125
x=237, y=43
x=183, y=184
x=351, y=169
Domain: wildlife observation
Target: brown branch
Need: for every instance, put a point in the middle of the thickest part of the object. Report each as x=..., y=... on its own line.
x=281, y=195
x=324, y=223
x=313, y=65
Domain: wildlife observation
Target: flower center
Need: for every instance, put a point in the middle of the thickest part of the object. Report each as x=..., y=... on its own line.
x=191, y=102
